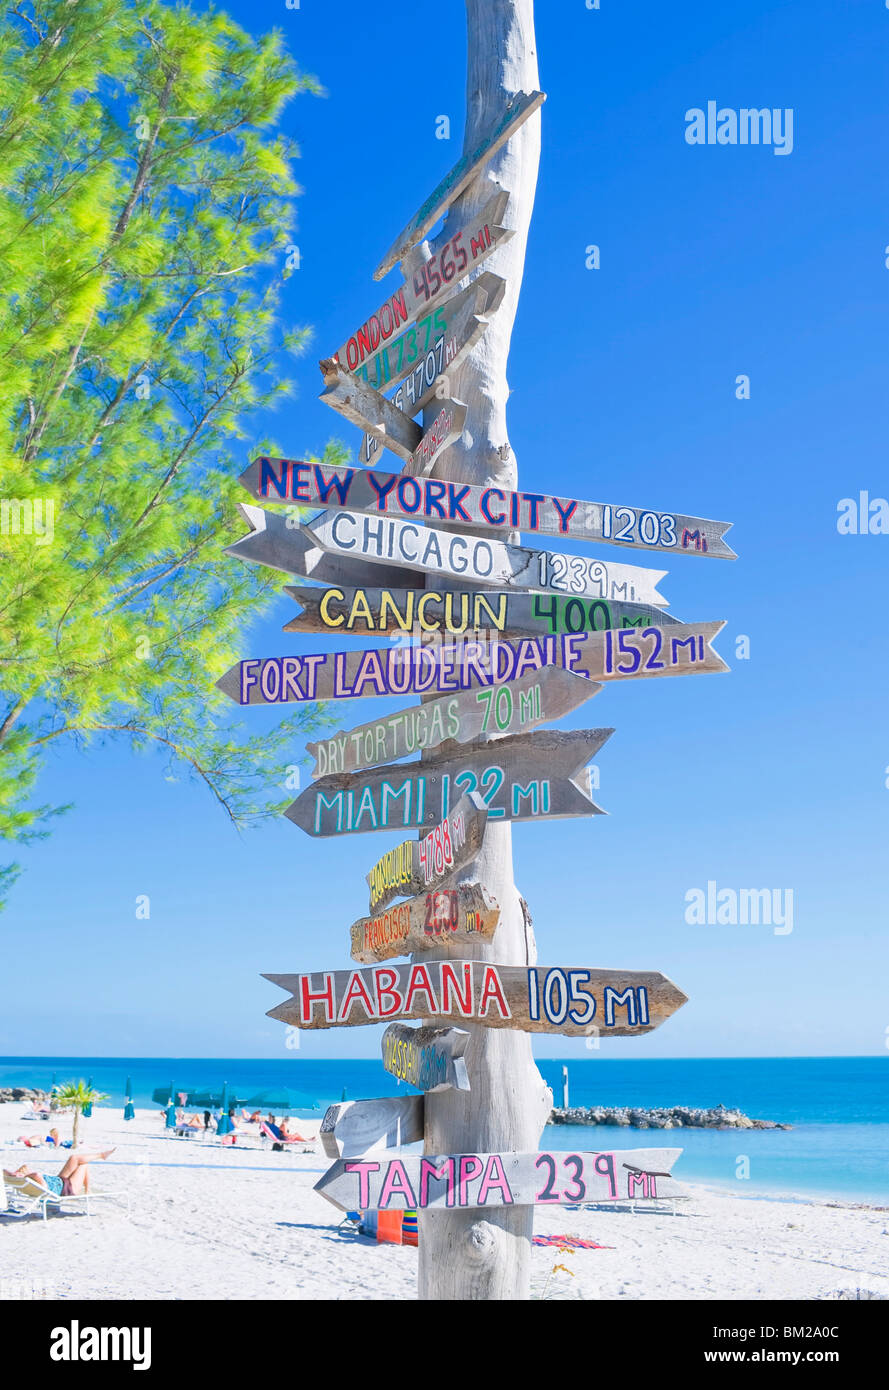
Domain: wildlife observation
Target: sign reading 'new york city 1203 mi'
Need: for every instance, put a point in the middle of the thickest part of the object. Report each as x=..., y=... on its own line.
x=487, y=508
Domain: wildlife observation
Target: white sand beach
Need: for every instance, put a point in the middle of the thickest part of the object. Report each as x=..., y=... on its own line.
x=214, y=1222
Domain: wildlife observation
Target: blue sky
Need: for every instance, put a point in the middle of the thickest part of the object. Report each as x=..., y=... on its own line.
x=715, y=261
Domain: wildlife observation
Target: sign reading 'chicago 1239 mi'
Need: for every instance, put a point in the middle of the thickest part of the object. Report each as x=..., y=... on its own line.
x=538, y=999
x=384, y=540
x=433, y=499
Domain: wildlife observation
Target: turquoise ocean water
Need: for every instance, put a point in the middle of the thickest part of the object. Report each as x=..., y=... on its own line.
x=838, y=1106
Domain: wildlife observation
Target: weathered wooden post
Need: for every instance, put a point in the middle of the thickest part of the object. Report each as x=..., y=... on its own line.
x=471, y=1254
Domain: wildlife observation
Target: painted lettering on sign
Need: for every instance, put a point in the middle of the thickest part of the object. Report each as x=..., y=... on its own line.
x=429, y=1058
x=416, y=865
x=458, y=613
x=509, y=1179
x=536, y=999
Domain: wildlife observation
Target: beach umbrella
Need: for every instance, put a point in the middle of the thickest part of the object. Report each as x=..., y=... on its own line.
x=88, y=1108
x=129, y=1112
x=170, y=1122
x=281, y=1098
x=224, y=1124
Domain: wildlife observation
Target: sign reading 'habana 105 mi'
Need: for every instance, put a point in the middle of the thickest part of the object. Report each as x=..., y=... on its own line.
x=524, y=777
x=577, y=1002
x=383, y=540
x=433, y=499
x=455, y=612
x=442, y=917
x=623, y=654
x=445, y=1181
x=429, y=1058
x=451, y=257
x=540, y=697
x=426, y=863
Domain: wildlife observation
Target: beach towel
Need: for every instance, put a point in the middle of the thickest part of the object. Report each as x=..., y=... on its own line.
x=574, y=1242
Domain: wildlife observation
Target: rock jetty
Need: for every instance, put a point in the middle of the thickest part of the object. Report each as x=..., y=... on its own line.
x=8, y=1093
x=669, y=1117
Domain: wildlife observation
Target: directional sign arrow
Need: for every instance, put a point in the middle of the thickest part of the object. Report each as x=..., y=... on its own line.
x=578, y=1002
x=496, y=1180
x=369, y=409
x=436, y=342
x=474, y=558
x=516, y=112
x=516, y=707
x=524, y=777
x=274, y=543
x=418, y=865
x=445, y=916
x=429, y=1058
x=355, y=1127
x=485, y=508
x=451, y=257
x=459, y=613
x=625, y=654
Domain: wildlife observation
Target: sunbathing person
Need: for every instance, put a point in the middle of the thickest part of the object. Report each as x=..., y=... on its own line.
x=73, y=1178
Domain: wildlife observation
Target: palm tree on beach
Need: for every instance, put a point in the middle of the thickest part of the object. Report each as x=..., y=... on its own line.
x=75, y=1095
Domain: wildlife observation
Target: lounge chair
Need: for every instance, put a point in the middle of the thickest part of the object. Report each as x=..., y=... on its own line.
x=25, y=1197
x=274, y=1135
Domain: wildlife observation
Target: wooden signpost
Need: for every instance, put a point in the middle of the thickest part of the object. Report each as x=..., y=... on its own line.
x=280, y=546
x=495, y=1180
x=453, y=915
x=486, y=509
x=624, y=654
x=451, y=257
x=435, y=342
x=452, y=612
x=516, y=707
x=516, y=112
x=476, y=558
x=429, y=1058
x=355, y=1127
x=524, y=777
x=576, y=1002
x=380, y=418
x=424, y=865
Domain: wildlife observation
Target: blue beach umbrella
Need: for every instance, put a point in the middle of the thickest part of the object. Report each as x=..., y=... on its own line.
x=224, y=1125
x=129, y=1111
x=170, y=1122
x=88, y=1108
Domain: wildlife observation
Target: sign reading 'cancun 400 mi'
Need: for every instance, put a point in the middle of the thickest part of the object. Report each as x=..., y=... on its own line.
x=432, y=499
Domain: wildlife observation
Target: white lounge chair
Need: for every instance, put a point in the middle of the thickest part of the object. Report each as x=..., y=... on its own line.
x=24, y=1197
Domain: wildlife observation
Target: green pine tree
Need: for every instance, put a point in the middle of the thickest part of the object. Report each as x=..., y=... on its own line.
x=145, y=211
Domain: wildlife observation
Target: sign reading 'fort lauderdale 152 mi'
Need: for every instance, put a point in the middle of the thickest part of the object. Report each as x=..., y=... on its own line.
x=524, y=777
x=577, y=1002
x=623, y=654
x=433, y=499
x=385, y=540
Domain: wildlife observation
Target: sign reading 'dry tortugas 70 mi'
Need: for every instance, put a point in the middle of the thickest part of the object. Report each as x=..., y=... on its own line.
x=384, y=540
x=538, y=999
x=433, y=499
x=524, y=777
x=624, y=654
x=540, y=697
x=500, y=1180
x=456, y=612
